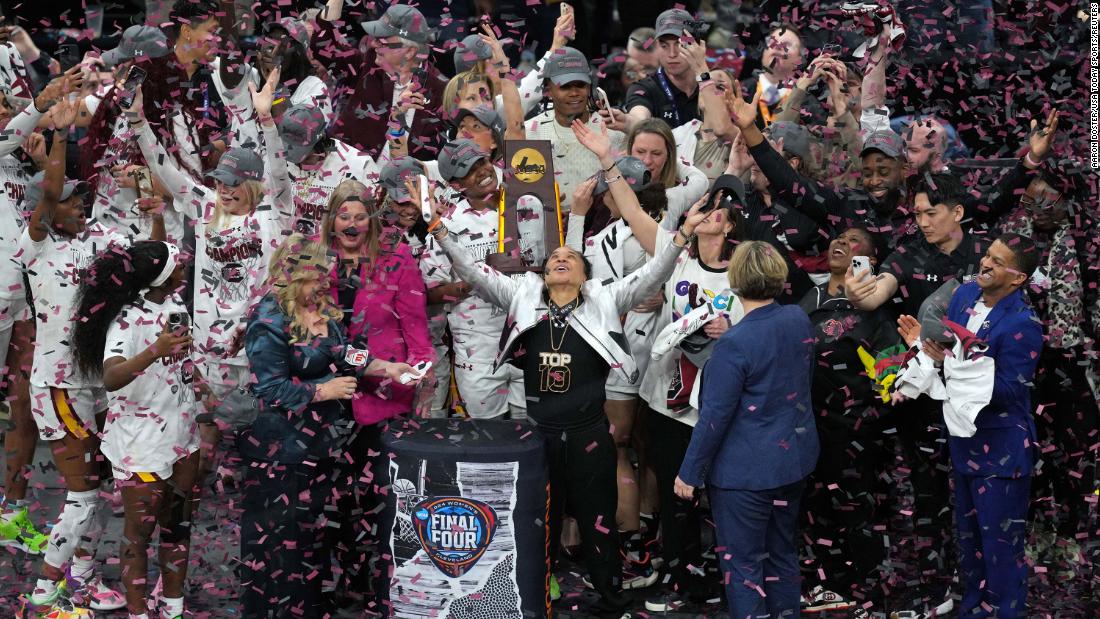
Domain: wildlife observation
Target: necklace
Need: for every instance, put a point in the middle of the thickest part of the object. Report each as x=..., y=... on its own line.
x=559, y=315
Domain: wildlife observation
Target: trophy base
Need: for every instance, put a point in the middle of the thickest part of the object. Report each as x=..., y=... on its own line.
x=510, y=264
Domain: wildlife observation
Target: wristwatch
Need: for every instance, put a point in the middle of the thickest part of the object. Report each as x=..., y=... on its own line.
x=703, y=77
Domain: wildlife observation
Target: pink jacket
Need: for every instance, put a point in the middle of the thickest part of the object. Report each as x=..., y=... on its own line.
x=391, y=307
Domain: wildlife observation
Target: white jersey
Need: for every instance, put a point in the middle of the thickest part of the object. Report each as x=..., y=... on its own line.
x=313, y=188
x=151, y=421
x=55, y=266
x=231, y=260
x=573, y=163
x=476, y=230
x=691, y=285
x=117, y=206
x=13, y=73
x=14, y=178
x=243, y=127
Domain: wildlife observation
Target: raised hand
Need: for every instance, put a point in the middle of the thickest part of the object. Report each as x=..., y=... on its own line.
x=597, y=142
x=58, y=88
x=136, y=112
x=263, y=99
x=1041, y=139
x=696, y=52
x=696, y=215
x=170, y=343
x=499, y=59
x=565, y=28
x=63, y=114
x=582, y=197
x=742, y=113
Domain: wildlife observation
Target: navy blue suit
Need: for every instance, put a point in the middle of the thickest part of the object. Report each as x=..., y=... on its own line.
x=753, y=446
x=992, y=469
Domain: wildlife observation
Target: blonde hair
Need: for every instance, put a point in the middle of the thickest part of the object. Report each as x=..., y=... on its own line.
x=669, y=176
x=457, y=84
x=354, y=191
x=757, y=272
x=296, y=261
x=254, y=191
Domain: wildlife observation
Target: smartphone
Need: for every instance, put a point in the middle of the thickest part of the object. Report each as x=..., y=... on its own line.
x=418, y=372
x=68, y=55
x=178, y=322
x=420, y=77
x=602, y=102
x=860, y=265
x=425, y=200
x=133, y=81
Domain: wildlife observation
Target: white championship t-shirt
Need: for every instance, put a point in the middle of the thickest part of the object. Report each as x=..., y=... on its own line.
x=55, y=266
x=151, y=421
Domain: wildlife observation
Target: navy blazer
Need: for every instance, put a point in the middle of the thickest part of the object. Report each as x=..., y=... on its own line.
x=756, y=425
x=1004, y=444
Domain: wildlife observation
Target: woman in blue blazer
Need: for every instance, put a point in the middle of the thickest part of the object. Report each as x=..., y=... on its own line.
x=755, y=442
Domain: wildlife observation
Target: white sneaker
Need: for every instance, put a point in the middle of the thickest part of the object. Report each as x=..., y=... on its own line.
x=93, y=593
x=821, y=599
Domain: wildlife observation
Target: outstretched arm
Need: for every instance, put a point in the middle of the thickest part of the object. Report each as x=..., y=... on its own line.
x=179, y=184
x=641, y=224
x=497, y=288
x=64, y=114
x=875, y=116
x=278, y=178
x=636, y=287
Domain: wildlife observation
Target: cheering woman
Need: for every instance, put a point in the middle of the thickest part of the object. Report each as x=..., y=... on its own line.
x=566, y=337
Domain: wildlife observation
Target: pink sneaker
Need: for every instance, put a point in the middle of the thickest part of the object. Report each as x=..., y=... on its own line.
x=93, y=593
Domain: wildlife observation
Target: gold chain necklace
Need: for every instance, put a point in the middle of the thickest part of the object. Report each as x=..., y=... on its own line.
x=554, y=348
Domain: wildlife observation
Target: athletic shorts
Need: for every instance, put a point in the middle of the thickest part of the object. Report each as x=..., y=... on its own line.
x=59, y=411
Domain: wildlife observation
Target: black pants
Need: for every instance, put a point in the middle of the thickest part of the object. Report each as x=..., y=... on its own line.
x=581, y=467
x=681, y=524
x=841, y=502
x=923, y=439
x=1067, y=418
x=362, y=480
x=286, y=547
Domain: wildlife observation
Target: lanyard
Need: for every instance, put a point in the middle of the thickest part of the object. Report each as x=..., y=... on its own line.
x=663, y=82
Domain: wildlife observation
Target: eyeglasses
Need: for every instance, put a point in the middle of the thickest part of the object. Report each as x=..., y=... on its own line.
x=1042, y=203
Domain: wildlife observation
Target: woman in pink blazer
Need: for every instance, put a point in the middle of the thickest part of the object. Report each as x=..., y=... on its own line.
x=377, y=283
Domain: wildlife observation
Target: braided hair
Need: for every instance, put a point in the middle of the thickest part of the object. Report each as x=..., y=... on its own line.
x=114, y=280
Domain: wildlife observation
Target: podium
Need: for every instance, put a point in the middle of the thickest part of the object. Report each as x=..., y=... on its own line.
x=529, y=174
x=466, y=519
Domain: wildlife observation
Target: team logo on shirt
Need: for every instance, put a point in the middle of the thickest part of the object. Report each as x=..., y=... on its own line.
x=454, y=532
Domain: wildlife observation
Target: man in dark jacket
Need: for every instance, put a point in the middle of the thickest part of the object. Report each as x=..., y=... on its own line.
x=389, y=91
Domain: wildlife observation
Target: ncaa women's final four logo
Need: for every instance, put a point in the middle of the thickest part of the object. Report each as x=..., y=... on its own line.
x=454, y=532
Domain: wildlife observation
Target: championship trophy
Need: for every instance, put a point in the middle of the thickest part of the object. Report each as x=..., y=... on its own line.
x=529, y=177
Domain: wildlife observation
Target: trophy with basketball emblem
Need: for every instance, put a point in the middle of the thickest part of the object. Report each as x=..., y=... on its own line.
x=529, y=193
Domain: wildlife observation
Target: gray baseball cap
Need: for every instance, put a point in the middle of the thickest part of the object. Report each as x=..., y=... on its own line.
x=400, y=20
x=457, y=158
x=886, y=142
x=137, y=41
x=33, y=194
x=469, y=51
x=567, y=65
x=727, y=184
x=673, y=22
x=293, y=27
x=488, y=117
x=301, y=127
x=634, y=173
x=238, y=165
x=796, y=138
x=394, y=173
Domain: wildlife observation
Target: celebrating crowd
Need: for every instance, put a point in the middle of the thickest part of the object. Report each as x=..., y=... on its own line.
x=777, y=318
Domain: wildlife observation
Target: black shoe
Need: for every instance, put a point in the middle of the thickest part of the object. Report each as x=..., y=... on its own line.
x=612, y=603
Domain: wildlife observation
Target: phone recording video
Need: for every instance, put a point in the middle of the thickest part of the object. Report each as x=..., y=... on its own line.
x=129, y=88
